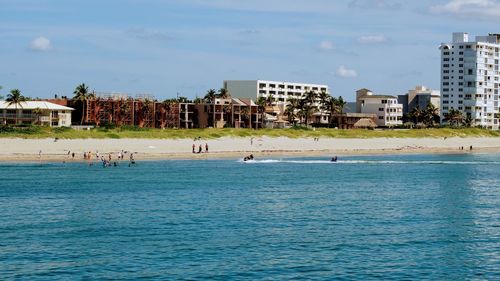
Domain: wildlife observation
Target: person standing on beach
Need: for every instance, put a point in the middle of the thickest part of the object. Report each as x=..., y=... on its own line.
x=206, y=147
x=199, y=149
x=194, y=147
x=40, y=154
x=73, y=155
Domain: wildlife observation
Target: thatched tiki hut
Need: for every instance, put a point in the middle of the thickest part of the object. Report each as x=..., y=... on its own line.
x=365, y=123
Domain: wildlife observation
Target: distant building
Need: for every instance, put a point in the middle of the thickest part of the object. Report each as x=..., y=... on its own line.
x=470, y=78
x=35, y=112
x=280, y=92
x=389, y=112
x=419, y=97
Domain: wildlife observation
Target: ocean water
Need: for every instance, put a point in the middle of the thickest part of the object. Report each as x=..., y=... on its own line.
x=405, y=217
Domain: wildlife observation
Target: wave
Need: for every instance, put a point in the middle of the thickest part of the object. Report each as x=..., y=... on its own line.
x=371, y=162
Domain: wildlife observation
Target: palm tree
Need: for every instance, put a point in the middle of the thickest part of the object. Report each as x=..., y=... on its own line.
x=306, y=109
x=224, y=94
x=431, y=115
x=270, y=100
x=15, y=98
x=82, y=94
x=210, y=96
x=340, y=108
x=307, y=106
x=454, y=117
x=416, y=114
x=182, y=100
x=291, y=109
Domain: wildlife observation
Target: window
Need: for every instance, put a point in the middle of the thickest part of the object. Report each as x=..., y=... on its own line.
x=446, y=83
x=446, y=77
x=446, y=59
x=380, y=109
x=446, y=53
x=381, y=118
x=446, y=65
x=460, y=65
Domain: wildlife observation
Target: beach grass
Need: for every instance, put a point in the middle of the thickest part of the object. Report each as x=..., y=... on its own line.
x=36, y=132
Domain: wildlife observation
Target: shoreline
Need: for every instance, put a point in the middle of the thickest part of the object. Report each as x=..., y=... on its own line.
x=27, y=150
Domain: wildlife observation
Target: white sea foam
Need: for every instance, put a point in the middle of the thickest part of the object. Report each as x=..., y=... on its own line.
x=372, y=162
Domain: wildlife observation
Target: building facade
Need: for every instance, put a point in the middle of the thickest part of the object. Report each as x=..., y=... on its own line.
x=387, y=109
x=35, y=112
x=470, y=78
x=280, y=93
x=419, y=97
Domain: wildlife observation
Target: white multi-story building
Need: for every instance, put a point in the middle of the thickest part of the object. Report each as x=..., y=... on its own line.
x=38, y=112
x=280, y=91
x=389, y=112
x=470, y=78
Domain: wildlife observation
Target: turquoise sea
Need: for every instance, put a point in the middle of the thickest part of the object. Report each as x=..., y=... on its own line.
x=405, y=217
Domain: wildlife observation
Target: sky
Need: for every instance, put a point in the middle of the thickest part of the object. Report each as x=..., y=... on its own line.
x=167, y=48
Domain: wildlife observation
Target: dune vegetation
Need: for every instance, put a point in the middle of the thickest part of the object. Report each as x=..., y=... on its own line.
x=34, y=132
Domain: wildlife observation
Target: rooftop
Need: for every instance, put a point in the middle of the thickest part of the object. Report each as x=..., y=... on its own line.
x=34, y=105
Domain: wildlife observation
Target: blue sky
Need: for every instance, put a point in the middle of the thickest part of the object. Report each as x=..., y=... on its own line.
x=165, y=47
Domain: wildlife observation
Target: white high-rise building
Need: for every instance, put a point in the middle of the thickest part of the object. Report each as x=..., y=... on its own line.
x=470, y=78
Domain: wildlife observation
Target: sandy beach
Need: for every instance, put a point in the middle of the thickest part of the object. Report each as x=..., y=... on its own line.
x=151, y=149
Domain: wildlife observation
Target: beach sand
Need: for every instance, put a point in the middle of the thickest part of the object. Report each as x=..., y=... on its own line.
x=158, y=149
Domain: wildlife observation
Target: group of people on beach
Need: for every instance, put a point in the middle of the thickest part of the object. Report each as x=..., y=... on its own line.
x=107, y=161
x=200, y=148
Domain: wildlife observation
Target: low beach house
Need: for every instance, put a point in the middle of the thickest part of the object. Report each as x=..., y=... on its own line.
x=389, y=112
x=35, y=112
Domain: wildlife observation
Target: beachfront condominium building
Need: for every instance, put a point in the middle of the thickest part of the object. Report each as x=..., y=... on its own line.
x=278, y=93
x=389, y=112
x=419, y=97
x=470, y=78
x=35, y=112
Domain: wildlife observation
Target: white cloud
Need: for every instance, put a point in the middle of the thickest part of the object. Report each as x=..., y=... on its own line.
x=326, y=45
x=41, y=44
x=372, y=39
x=345, y=72
x=468, y=8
